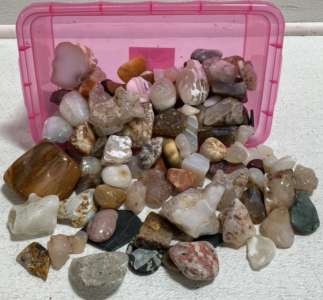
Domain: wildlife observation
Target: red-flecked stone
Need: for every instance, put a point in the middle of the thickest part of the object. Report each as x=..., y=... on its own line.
x=196, y=260
x=256, y=163
x=181, y=179
x=103, y=225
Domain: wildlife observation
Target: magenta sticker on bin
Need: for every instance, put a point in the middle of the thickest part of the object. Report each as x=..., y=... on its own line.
x=157, y=58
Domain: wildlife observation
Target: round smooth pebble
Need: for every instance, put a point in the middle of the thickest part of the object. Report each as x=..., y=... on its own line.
x=118, y=176
x=213, y=149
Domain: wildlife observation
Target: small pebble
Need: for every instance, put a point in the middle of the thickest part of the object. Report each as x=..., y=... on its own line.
x=213, y=149
x=132, y=68
x=135, y=198
x=181, y=179
x=109, y=197
x=118, y=176
x=150, y=152
x=117, y=150
x=258, y=164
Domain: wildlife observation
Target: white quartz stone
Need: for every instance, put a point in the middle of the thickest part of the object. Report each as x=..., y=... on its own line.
x=140, y=86
x=236, y=153
x=269, y=161
x=265, y=150
x=118, y=176
x=197, y=164
x=117, y=150
x=261, y=251
x=256, y=177
x=191, y=133
x=57, y=130
x=135, y=198
x=163, y=94
x=212, y=101
x=90, y=165
x=74, y=108
x=38, y=215
x=193, y=211
x=287, y=162
x=253, y=153
x=183, y=145
x=244, y=133
x=188, y=110
x=223, y=71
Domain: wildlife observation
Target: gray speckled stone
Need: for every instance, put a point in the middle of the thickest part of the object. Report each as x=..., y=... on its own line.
x=150, y=152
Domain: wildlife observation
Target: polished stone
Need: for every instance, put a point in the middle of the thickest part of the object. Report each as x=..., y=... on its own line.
x=88, y=181
x=225, y=134
x=90, y=165
x=171, y=154
x=256, y=163
x=136, y=197
x=235, y=90
x=181, y=179
x=203, y=54
x=213, y=149
x=132, y=68
x=109, y=197
x=57, y=96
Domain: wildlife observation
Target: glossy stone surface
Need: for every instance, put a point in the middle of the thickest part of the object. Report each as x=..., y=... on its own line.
x=203, y=54
x=109, y=197
x=236, y=223
x=97, y=148
x=222, y=71
x=191, y=132
x=244, y=133
x=57, y=130
x=140, y=129
x=150, y=152
x=183, y=145
x=148, y=76
x=212, y=100
x=102, y=226
x=143, y=261
x=252, y=199
x=269, y=161
x=163, y=94
x=132, y=68
x=88, y=181
x=261, y=251
x=128, y=225
x=78, y=210
x=140, y=86
x=191, y=84
x=234, y=184
x=303, y=215
x=90, y=165
x=256, y=163
x=193, y=211
x=236, y=90
x=98, y=274
x=158, y=189
x=234, y=61
x=117, y=150
x=155, y=233
x=196, y=260
x=171, y=154
x=38, y=215
x=181, y=179
x=35, y=259
x=236, y=154
x=57, y=96
x=305, y=179
x=225, y=134
x=86, y=87
x=111, y=86
x=118, y=176
x=278, y=228
x=248, y=74
x=170, y=123
x=44, y=170
x=256, y=178
x=213, y=149
x=228, y=111
x=279, y=190
x=287, y=162
x=82, y=139
x=225, y=166
x=135, y=198
x=188, y=110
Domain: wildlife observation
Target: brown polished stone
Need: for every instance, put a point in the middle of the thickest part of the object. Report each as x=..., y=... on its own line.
x=45, y=170
x=155, y=233
x=109, y=197
x=88, y=181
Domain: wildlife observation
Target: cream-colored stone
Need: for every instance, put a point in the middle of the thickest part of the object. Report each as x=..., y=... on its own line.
x=213, y=149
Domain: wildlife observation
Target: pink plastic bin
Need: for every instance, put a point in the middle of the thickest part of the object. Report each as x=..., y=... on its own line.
x=251, y=29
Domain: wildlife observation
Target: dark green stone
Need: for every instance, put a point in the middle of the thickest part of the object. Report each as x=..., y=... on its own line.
x=303, y=215
x=128, y=225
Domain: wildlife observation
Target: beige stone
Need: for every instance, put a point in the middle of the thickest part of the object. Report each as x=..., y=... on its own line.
x=213, y=149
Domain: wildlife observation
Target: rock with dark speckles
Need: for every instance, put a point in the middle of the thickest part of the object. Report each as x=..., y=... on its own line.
x=150, y=152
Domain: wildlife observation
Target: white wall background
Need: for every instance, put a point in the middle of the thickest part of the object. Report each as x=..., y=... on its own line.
x=293, y=10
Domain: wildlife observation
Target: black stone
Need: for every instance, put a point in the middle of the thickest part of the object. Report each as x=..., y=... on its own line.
x=143, y=261
x=256, y=163
x=236, y=90
x=215, y=239
x=128, y=225
x=57, y=96
x=303, y=215
x=204, y=54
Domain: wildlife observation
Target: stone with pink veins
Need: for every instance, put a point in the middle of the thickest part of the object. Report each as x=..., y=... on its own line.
x=73, y=64
x=237, y=224
x=196, y=260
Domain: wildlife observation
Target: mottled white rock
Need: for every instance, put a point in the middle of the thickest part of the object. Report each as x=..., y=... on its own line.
x=244, y=133
x=191, y=84
x=193, y=210
x=212, y=100
x=188, y=110
x=269, y=161
x=197, y=164
x=261, y=251
x=183, y=145
x=163, y=94
x=74, y=108
x=140, y=86
x=236, y=154
x=57, y=129
x=117, y=150
x=191, y=133
x=265, y=150
x=223, y=71
x=78, y=210
x=38, y=215
x=278, y=228
x=305, y=179
x=90, y=165
x=237, y=224
x=287, y=162
x=213, y=149
x=135, y=198
x=256, y=178
x=171, y=73
x=118, y=176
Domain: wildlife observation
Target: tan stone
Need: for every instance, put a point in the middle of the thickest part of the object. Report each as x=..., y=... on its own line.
x=82, y=139
x=109, y=197
x=181, y=179
x=86, y=87
x=171, y=153
x=132, y=68
x=213, y=149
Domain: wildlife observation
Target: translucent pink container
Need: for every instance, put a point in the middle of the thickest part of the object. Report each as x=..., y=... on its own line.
x=167, y=33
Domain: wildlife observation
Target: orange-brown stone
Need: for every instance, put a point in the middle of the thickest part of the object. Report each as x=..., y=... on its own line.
x=86, y=87
x=160, y=165
x=155, y=233
x=132, y=68
x=45, y=170
x=181, y=179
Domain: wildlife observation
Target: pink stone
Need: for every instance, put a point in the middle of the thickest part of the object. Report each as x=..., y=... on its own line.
x=102, y=226
x=196, y=260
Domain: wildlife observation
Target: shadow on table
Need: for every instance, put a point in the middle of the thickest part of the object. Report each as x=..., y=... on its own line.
x=10, y=196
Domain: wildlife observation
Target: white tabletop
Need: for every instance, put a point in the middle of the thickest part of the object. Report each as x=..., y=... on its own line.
x=295, y=273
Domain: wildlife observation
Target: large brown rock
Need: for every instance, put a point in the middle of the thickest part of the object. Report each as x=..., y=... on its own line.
x=181, y=179
x=44, y=170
